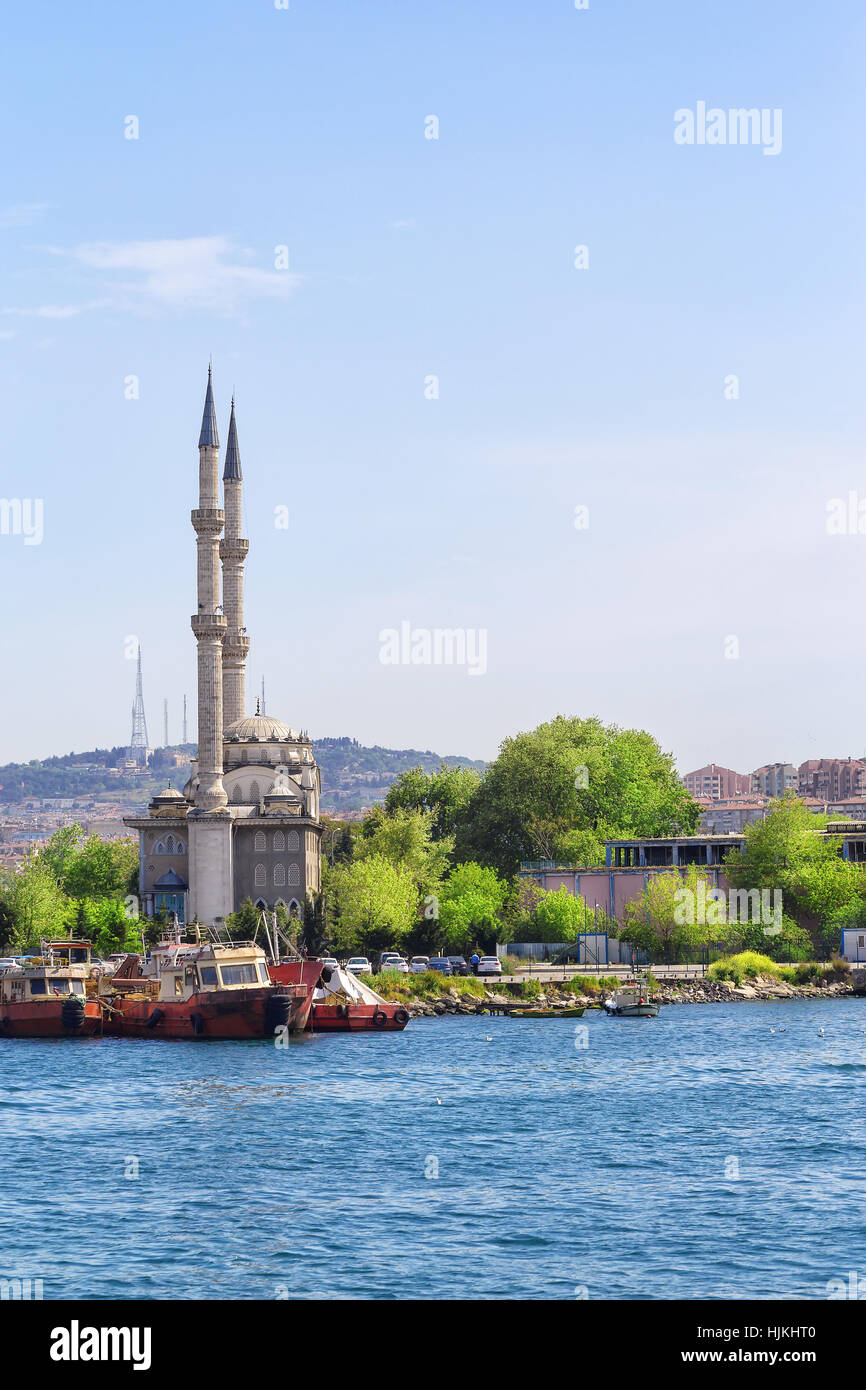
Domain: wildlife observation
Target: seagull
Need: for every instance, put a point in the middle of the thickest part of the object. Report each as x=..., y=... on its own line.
x=820, y=1032
x=438, y=1101
x=489, y=1039
x=772, y=1030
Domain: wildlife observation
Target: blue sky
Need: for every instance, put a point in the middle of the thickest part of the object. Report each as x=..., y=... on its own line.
x=411, y=257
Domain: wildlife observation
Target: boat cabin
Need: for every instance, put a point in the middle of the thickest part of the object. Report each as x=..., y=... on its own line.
x=23, y=984
x=208, y=968
x=69, y=952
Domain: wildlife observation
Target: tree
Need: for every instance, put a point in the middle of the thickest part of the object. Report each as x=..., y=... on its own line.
x=560, y=791
x=786, y=852
x=659, y=922
x=405, y=839
x=446, y=794
x=469, y=907
x=372, y=903
x=33, y=903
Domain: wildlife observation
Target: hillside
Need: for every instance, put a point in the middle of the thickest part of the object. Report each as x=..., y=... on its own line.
x=352, y=775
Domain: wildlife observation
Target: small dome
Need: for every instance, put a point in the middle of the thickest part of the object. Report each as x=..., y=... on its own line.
x=259, y=728
x=170, y=794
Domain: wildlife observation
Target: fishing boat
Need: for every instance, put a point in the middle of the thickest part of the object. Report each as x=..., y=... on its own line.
x=576, y=1012
x=42, y=1000
x=209, y=990
x=342, y=1003
x=631, y=1000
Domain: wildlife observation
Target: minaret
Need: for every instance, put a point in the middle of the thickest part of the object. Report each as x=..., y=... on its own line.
x=208, y=623
x=233, y=553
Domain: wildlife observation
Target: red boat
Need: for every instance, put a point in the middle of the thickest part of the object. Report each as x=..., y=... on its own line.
x=206, y=991
x=47, y=1001
x=344, y=1004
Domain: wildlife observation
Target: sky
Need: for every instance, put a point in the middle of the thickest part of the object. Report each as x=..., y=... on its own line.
x=629, y=476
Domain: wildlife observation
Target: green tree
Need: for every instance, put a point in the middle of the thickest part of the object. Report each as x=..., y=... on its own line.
x=33, y=903
x=562, y=790
x=372, y=903
x=446, y=795
x=469, y=907
x=405, y=839
x=786, y=852
x=659, y=921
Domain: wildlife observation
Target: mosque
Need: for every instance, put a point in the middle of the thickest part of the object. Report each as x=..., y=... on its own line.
x=247, y=822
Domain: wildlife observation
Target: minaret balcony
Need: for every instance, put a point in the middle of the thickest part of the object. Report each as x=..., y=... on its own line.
x=212, y=625
x=234, y=550
x=208, y=521
x=235, y=647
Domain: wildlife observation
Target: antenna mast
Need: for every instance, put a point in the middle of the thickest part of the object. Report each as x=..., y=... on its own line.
x=138, y=741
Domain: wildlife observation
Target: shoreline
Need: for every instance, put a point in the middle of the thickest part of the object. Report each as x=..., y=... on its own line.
x=453, y=1002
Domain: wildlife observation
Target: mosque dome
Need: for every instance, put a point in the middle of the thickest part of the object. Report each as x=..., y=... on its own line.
x=259, y=728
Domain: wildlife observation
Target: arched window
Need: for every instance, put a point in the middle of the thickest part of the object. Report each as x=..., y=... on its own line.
x=261, y=876
x=261, y=841
x=169, y=845
x=279, y=841
x=254, y=791
x=237, y=793
x=293, y=840
x=260, y=902
x=180, y=847
x=294, y=876
x=159, y=847
x=279, y=875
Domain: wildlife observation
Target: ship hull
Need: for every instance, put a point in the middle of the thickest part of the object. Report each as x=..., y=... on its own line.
x=215, y=1014
x=358, y=1018
x=51, y=1018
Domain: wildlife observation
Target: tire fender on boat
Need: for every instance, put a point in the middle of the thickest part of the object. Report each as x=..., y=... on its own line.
x=401, y=1016
x=379, y=1019
x=154, y=1018
x=197, y=1022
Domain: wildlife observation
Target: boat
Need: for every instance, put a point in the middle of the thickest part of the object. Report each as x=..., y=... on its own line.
x=41, y=999
x=576, y=1012
x=631, y=1000
x=208, y=990
x=343, y=1003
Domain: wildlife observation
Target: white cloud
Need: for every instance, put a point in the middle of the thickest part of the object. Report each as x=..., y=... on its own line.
x=22, y=214
x=185, y=273
x=166, y=275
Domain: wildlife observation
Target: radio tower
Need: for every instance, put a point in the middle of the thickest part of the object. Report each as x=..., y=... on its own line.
x=138, y=740
x=185, y=740
x=165, y=723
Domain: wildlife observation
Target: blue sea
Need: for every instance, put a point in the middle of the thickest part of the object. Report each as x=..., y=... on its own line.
x=697, y=1155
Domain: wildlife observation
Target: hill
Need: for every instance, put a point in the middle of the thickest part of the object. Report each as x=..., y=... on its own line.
x=352, y=775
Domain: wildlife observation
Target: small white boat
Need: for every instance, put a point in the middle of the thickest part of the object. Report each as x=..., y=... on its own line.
x=631, y=1000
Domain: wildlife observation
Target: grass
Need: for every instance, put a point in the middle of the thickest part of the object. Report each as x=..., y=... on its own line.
x=392, y=985
x=750, y=964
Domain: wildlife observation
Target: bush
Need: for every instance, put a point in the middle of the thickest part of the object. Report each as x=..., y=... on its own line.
x=747, y=964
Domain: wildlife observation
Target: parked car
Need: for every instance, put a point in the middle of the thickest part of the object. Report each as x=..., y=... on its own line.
x=418, y=964
x=459, y=966
x=359, y=965
x=7, y=961
x=442, y=964
x=399, y=964
x=490, y=965
x=330, y=962
x=386, y=958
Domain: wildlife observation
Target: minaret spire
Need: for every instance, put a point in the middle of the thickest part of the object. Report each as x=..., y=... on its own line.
x=209, y=624
x=233, y=553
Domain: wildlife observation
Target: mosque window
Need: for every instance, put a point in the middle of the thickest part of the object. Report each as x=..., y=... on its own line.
x=279, y=875
x=254, y=791
x=169, y=845
x=293, y=840
x=279, y=841
x=261, y=841
x=237, y=794
x=261, y=876
x=159, y=847
x=294, y=876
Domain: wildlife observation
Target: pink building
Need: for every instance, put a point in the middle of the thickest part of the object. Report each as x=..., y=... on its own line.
x=718, y=783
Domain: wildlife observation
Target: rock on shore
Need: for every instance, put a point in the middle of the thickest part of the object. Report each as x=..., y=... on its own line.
x=697, y=991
